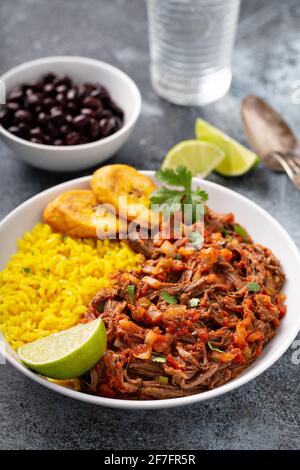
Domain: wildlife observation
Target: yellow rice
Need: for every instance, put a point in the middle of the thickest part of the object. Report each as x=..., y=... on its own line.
x=47, y=285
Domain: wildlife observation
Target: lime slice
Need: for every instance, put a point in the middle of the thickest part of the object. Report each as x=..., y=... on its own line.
x=238, y=159
x=199, y=157
x=67, y=354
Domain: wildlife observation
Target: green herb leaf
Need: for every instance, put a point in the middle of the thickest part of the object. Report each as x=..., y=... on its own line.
x=161, y=359
x=194, y=302
x=130, y=291
x=179, y=177
x=27, y=270
x=213, y=347
x=253, y=287
x=163, y=380
x=241, y=231
x=170, y=299
x=197, y=239
x=172, y=200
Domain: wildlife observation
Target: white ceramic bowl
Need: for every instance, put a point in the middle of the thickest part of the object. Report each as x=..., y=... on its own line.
x=76, y=157
x=261, y=226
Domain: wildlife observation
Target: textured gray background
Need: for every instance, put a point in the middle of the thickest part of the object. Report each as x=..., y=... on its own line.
x=263, y=414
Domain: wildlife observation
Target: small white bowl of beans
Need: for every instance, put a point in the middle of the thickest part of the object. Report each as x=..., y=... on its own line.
x=67, y=113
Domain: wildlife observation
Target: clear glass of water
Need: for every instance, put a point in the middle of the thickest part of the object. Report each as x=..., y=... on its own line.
x=191, y=44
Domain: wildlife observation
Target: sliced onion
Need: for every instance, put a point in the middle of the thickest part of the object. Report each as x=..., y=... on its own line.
x=175, y=310
x=150, y=337
x=154, y=314
x=152, y=282
x=142, y=351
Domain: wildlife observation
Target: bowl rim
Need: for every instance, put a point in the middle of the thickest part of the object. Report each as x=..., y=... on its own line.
x=83, y=60
x=170, y=402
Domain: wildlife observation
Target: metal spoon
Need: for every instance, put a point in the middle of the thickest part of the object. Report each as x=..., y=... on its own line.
x=271, y=137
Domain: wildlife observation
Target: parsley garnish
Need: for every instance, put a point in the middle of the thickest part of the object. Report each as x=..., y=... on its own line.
x=213, y=347
x=194, y=302
x=170, y=299
x=173, y=200
x=241, y=231
x=253, y=287
x=130, y=291
x=27, y=270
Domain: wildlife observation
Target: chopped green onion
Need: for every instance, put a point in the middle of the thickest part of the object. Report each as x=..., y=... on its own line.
x=161, y=359
x=163, y=380
x=170, y=299
x=253, y=287
x=130, y=291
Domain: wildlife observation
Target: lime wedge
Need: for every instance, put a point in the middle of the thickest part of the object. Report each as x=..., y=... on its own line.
x=199, y=157
x=238, y=159
x=67, y=354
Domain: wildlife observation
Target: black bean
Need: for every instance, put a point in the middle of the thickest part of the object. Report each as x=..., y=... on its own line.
x=49, y=77
x=12, y=106
x=15, y=95
x=64, y=130
x=100, y=92
x=106, y=113
x=61, y=88
x=24, y=129
x=42, y=118
x=24, y=116
x=57, y=115
x=72, y=107
x=14, y=130
x=117, y=110
x=52, y=130
x=80, y=121
x=33, y=100
x=90, y=102
x=106, y=127
x=4, y=116
x=48, y=103
x=72, y=138
x=71, y=94
x=60, y=98
x=62, y=81
x=49, y=88
x=36, y=132
x=69, y=118
x=87, y=111
x=93, y=128
x=35, y=140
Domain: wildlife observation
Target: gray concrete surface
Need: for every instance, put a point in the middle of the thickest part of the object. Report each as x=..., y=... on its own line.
x=263, y=414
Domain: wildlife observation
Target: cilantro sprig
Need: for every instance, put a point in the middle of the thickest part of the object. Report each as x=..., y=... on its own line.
x=173, y=200
x=170, y=299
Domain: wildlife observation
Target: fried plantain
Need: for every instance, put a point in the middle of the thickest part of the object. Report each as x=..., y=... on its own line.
x=76, y=213
x=124, y=188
